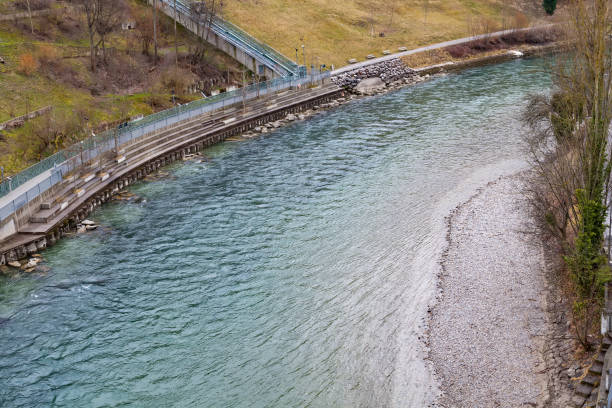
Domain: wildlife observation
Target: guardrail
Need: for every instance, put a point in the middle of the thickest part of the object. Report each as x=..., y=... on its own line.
x=67, y=160
x=241, y=39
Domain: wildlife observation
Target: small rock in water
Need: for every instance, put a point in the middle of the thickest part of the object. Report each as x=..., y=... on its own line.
x=88, y=222
x=42, y=269
x=91, y=227
x=81, y=229
x=291, y=117
x=15, y=264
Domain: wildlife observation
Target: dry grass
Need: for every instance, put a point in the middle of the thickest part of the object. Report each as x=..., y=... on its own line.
x=335, y=31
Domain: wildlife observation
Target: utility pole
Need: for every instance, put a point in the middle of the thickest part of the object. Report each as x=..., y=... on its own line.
x=304, y=57
x=243, y=91
x=155, y=28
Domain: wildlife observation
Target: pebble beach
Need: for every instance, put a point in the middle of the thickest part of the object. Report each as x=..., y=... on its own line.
x=487, y=331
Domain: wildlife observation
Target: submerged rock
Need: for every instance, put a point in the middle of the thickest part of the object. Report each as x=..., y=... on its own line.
x=88, y=222
x=15, y=264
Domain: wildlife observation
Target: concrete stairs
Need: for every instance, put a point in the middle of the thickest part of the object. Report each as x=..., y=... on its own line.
x=585, y=394
x=75, y=190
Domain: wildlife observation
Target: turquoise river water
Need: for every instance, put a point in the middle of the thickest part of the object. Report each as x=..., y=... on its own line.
x=290, y=270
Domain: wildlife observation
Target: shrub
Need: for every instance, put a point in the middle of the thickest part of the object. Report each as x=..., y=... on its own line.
x=520, y=20
x=459, y=51
x=549, y=6
x=34, y=4
x=27, y=64
x=47, y=55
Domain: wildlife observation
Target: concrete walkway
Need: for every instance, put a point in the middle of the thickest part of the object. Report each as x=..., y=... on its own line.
x=445, y=44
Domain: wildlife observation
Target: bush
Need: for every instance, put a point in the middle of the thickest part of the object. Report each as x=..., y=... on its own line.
x=27, y=64
x=47, y=55
x=459, y=51
x=549, y=6
x=34, y=4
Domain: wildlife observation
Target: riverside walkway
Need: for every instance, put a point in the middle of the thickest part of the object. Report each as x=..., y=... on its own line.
x=374, y=61
x=81, y=192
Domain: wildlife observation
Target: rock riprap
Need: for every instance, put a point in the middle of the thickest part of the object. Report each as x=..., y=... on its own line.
x=388, y=71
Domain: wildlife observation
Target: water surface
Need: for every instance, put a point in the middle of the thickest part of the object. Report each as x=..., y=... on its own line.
x=290, y=270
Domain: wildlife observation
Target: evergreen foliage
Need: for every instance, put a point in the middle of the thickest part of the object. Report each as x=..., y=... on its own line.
x=549, y=6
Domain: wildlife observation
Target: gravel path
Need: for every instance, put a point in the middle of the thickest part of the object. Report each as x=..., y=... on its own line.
x=487, y=330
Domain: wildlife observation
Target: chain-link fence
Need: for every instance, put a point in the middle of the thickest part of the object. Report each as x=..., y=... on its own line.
x=52, y=169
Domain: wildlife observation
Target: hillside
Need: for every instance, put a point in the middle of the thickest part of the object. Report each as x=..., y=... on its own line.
x=47, y=63
x=335, y=31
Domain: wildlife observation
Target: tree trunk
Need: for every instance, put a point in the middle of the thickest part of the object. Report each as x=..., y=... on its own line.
x=92, y=55
x=155, y=28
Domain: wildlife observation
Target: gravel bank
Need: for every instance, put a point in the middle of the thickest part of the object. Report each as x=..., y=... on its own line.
x=488, y=331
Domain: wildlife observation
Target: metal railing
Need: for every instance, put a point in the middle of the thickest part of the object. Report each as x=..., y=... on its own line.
x=241, y=39
x=66, y=161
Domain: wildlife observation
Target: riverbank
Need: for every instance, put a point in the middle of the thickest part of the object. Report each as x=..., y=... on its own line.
x=492, y=341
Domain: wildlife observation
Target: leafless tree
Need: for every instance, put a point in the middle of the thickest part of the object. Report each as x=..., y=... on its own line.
x=570, y=188
x=92, y=13
x=110, y=13
x=204, y=14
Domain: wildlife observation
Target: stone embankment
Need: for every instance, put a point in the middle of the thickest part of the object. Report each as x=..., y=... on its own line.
x=388, y=71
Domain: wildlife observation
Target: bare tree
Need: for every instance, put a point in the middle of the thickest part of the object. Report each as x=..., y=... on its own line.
x=110, y=13
x=155, y=28
x=30, y=14
x=145, y=30
x=570, y=190
x=204, y=14
x=92, y=13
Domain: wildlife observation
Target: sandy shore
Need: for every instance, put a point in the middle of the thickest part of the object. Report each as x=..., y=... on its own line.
x=489, y=332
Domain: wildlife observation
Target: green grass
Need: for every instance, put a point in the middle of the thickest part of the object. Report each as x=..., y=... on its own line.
x=25, y=93
x=335, y=31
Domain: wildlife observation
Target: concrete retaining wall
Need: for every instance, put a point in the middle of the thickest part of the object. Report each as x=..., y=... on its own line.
x=70, y=222
x=236, y=53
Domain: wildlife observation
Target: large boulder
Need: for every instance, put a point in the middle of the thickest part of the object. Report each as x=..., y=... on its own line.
x=369, y=85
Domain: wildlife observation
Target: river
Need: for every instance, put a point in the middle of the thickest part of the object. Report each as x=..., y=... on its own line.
x=290, y=270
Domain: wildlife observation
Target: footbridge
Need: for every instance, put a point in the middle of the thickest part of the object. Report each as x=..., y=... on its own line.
x=229, y=38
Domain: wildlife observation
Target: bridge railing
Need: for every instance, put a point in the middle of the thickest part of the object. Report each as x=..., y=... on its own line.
x=243, y=40
x=67, y=160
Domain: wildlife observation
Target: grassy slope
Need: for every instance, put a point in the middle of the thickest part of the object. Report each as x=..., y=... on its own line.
x=44, y=87
x=335, y=31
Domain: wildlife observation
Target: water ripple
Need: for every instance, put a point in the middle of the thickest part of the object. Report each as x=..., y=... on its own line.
x=292, y=270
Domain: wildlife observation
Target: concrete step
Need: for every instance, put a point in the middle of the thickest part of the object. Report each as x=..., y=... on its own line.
x=592, y=380
x=80, y=189
x=606, y=342
x=596, y=368
x=43, y=216
x=584, y=390
x=578, y=401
